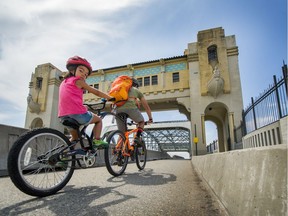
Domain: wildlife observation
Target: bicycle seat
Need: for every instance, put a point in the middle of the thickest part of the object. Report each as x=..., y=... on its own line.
x=70, y=122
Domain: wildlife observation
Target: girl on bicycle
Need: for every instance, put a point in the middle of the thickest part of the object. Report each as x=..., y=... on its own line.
x=71, y=98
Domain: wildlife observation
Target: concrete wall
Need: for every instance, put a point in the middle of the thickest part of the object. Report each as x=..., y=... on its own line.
x=248, y=182
x=8, y=135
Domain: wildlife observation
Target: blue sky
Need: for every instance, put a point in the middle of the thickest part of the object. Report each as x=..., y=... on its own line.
x=112, y=33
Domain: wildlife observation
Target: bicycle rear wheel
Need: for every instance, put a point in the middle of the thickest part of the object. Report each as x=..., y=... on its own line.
x=140, y=154
x=34, y=165
x=115, y=162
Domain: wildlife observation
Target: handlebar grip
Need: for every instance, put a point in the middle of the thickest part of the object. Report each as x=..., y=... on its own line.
x=147, y=122
x=112, y=99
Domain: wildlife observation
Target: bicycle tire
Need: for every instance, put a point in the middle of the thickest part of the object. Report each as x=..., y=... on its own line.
x=140, y=155
x=115, y=162
x=30, y=165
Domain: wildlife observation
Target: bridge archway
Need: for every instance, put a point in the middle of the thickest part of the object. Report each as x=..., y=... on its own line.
x=211, y=136
x=217, y=113
x=36, y=123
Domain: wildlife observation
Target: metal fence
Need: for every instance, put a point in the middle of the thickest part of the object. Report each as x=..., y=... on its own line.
x=268, y=107
x=212, y=147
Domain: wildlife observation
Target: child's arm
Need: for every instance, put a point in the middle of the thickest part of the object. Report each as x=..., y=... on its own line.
x=82, y=84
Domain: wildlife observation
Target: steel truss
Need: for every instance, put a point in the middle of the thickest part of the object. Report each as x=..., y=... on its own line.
x=168, y=139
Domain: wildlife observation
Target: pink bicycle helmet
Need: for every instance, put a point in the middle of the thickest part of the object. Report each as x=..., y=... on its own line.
x=77, y=60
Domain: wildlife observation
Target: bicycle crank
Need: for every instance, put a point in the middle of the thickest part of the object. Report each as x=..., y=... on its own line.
x=89, y=159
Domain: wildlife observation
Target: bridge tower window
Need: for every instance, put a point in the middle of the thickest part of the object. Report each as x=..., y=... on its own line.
x=146, y=81
x=39, y=81
x=175, y=77
x=155, y=80
x=96, y=86
x=140, y=81
x=212, y=55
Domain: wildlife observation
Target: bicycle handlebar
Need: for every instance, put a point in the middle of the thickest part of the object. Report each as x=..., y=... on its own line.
x=100, y=105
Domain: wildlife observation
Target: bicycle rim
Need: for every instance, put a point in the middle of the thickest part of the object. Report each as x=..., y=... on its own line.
x=115, y=162
x=141, y=155
x=30, y=165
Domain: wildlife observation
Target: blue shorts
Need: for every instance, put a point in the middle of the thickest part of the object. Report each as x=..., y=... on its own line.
x=82, y=119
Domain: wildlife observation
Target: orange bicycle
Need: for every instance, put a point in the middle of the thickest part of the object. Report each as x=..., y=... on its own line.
x=121, y=149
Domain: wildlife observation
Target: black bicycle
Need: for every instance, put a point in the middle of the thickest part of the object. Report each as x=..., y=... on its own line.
x=42, y=161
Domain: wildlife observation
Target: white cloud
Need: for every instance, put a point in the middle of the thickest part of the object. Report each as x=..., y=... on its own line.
x=37, y=32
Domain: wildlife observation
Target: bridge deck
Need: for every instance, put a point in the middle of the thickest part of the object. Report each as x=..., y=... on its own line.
x=165, y=187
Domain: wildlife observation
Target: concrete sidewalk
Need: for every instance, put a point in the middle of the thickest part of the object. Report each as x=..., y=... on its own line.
x=165, y=187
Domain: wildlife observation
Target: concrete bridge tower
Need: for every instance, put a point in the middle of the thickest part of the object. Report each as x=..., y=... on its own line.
x=215, y=87
x=42, y=101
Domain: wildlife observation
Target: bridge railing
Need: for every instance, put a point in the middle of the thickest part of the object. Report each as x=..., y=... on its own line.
x=212, y=147
x=269, y=107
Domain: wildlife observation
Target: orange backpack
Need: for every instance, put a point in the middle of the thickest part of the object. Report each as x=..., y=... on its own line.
x=120, y=88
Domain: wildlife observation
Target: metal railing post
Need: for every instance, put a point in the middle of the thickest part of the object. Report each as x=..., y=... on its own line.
x=254, y=114
x=284, y=71
x=277, y=96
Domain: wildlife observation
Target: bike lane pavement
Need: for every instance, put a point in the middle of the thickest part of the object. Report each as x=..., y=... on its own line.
x=164, y=187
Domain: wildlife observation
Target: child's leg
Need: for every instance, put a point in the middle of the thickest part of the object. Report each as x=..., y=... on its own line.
x=74, y=134
x=97, y=127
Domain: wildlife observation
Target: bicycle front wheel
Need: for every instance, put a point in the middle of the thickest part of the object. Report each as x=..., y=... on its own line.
x=140, y=154
x=115, y=161
x=34, y=165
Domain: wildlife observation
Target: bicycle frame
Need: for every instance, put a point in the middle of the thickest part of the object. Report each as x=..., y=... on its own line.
x=82, y=134
x=127, y=148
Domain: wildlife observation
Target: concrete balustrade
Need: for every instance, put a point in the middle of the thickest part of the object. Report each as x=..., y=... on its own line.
x=272, y=134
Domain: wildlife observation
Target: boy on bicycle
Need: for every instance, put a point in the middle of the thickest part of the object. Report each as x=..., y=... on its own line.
x=131, y=108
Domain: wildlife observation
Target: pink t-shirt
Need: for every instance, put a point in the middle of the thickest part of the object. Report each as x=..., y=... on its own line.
x=70, y=98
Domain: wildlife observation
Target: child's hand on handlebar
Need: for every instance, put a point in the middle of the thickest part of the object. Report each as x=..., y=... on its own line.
x=112, y=99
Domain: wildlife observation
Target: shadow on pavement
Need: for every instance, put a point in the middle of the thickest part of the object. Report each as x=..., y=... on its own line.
x=70, y=201
x=91, y=200
x=144, y=177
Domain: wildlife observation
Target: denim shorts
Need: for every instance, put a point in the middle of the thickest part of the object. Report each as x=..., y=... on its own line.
x=82, y=119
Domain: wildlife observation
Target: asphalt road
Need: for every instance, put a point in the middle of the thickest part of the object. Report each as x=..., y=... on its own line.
x=164, y=187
